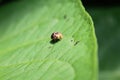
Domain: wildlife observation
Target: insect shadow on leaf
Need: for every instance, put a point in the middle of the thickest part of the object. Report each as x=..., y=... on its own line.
x=54, y=41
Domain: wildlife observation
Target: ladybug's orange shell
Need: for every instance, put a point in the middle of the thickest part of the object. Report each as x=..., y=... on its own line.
x=56, y=36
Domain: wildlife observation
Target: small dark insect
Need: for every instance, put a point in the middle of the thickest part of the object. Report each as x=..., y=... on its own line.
x=65, y=16
x=76, y=43
x=56, y=36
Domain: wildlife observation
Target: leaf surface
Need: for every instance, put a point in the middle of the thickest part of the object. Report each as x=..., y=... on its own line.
x=26, y=51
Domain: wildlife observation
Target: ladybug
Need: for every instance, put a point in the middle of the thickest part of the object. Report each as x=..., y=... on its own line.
x=56, y=36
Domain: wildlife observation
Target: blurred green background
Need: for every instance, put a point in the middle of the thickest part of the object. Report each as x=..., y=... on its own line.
x=106, y=18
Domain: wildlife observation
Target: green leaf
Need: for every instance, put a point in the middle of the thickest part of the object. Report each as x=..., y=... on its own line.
x=26, y=51
x=38, y=70
x=108, y=30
